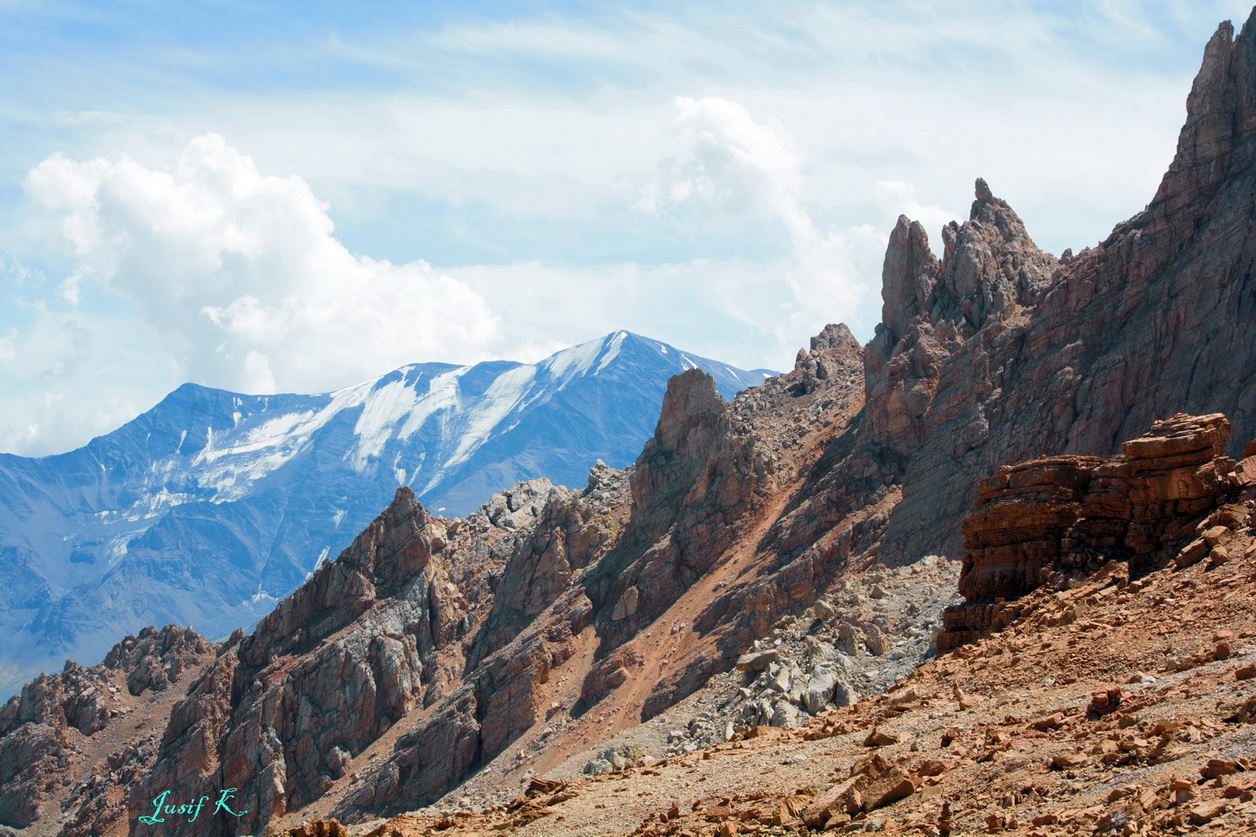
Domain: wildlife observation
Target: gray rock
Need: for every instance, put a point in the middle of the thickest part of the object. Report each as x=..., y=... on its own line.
x=596, y=767
x=819, y=690
x=757, y=660
x=784, y=715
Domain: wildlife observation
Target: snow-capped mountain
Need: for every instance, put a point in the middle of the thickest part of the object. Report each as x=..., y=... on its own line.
x=210, y=506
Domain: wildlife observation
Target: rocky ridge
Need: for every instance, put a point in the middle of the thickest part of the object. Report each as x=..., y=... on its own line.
x=71, y=742
x=1110, y=706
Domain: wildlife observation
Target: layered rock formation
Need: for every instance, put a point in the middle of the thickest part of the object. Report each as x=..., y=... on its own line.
x=1057, y=516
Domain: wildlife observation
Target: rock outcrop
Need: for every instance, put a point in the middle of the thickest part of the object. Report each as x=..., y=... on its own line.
x=51, y=730
x=282, y=712
x=1141, y=326
x=1058, y=516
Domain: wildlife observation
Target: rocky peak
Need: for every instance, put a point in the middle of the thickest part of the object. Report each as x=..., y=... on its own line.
x=691, y=424
x=57, y=718
x=989, y=267
x=907, y=278
x=395, y=547
x=834, y=336
x=834, y=355
x=156, y=658
x=1220, y=120
x=77, y=696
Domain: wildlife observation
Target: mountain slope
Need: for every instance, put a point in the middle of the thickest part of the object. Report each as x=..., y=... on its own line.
x=472, y=655
x=208, y=508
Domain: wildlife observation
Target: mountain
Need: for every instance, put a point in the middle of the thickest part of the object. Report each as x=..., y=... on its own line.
x=211, y=506
x=982, y=574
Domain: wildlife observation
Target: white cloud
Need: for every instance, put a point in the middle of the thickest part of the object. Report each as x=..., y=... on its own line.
x=898, y=197
x=241, y=275
x=510, y=152
x=68, y=374
x=734, y=163
x=729, y=161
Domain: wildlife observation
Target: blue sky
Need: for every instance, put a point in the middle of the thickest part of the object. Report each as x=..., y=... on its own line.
x=295, y=197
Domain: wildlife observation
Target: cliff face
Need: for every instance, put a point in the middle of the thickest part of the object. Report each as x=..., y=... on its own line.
x=1146, y=324
x=500, y=645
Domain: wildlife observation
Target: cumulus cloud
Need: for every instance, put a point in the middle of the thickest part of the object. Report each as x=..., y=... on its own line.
x=898, y=197
x=241, y=275
x=730, y=162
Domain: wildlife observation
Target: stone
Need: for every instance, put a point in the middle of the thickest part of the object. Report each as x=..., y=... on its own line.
x=757, y=660
x=596, y=767
x=1216, y=768
x=1068, y=761
x=877, y=738
x=845, y=797
x=1104, y=701
x=820, y=689
x=1048, y=515
x=888, y=788
x=785, y=715
x=1206, y=812
x=1192, y=553
x=931, y=767
x=627, y=604
x=1050, y=722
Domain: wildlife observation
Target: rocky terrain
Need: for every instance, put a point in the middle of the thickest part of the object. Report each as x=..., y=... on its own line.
x=737, y=632
x=213, y=505
x=1111, y=706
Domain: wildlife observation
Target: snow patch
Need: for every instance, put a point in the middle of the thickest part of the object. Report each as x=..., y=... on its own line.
x=383, y=410
x=612, y=351
x=501, y=397
x=263, y=599
x=442, y=392
x=572, y=362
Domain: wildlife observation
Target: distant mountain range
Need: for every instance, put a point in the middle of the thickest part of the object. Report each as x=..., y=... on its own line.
x=212, y=505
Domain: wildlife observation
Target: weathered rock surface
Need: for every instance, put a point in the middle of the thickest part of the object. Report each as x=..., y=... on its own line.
x=1091, y=351
x=1062, y=515
x=58, y=721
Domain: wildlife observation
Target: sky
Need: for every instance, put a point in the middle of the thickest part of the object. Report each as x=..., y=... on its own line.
x=294, y=197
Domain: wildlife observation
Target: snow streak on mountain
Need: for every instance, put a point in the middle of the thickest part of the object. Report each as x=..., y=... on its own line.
x=212, y=505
